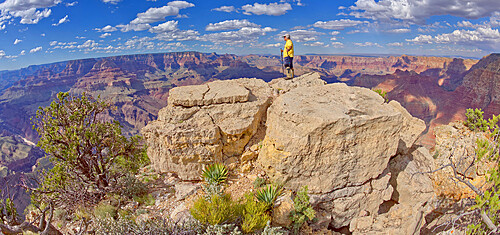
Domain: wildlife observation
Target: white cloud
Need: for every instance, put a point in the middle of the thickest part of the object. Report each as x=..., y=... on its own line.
x=37, y=49
x=417, y=11
x=165, y=27
x=88, y=44
x=243, y=35
x=178, y=35
x=106, y=29
x=225, y=9
x=111, y=1
x=273, y=9
x=53, y=43
x=484, y=38
x=104, y=35
x=230, y=25
x=70, y=4
x=133, y=27
x=465, y=24
x=31, y=16
x=180, y=4
x=338, y=24
x=304, y=35
x=314, y=44
x=61, y=21
x=158, y=14
x=17, y=41
x=26, y=10
x=2, y=53
x=367, y=44
x=23, y=52
x=402, y=30
x=334, y=33
x=272, y=45
x=395, y=44
x=337, y=44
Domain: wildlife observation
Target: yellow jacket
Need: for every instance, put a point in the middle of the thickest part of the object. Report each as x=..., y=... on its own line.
x=289, y=46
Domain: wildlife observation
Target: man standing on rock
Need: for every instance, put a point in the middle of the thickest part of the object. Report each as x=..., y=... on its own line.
x=288, y=55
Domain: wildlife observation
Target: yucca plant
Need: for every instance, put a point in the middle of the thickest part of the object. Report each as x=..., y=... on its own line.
x=216, y=173
x=268, y=195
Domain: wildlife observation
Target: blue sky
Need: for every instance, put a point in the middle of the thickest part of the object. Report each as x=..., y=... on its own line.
x=45, y=31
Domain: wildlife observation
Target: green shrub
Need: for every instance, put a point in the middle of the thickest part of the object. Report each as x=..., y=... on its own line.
x=268, y=195
x=216, y=173
x=303, y=210
x=270, y=230
x=145, y=199
x=217, y=209
x=105, y=210
x=222, y=229
x=383, y=94
x=127, y=225
x=254, y=213
x=131, y=187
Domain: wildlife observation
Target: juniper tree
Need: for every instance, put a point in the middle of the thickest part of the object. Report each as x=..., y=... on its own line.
x=89, y=154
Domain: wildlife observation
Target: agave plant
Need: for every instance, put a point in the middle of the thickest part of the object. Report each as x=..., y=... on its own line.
x=215, y=173
x=268, y=195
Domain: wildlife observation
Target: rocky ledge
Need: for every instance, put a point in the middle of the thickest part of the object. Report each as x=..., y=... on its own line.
x=355, y=152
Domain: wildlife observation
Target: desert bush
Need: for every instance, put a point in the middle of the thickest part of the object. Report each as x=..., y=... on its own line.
x=217, y=209
x=303, y=210
x=155, y=225
x=270, y=230
x=268, y=195
x=130, y=187
x=383, y=94
x=254, y=214
x=222, y=229
x=146, y=199
x=104, y=210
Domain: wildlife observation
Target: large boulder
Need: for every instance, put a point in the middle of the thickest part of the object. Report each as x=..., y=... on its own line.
x=205, y=124
x=337, y=140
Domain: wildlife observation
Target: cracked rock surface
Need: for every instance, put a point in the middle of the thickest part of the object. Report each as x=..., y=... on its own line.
x=206, y=124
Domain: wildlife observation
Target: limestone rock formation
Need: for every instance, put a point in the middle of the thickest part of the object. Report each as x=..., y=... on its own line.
x=355, y=152
x=211, y=123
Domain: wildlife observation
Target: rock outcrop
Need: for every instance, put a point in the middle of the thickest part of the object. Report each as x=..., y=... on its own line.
x=205, y=124
x=355, y=152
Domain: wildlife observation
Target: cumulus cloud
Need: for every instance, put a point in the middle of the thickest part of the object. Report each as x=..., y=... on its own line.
x=314, y=44
x=418, y=11
x=225, y=9
x=23, y=52
x=338, y=24
x=304, y=35
x=403, y=30
x=2, y=53
x=484, y=38
x=31, y=16
x=367, y=44
x=230, y=25
x=273, y=9
x=27, y=10
x=17, y=41
x=180, y=4
x=106, y=29
x=158, y=14
x=36, y=49
x=61, y=21
x=70, y=4
x=133, y=27
x=104, y=35
x=243, y=35
x=395, y=44
x=165, y=27
x=337, y=44
x=178, y=35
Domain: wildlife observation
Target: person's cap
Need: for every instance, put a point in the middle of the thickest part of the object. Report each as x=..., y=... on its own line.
x=286, y=35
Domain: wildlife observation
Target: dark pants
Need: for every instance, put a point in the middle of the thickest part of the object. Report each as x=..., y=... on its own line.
x=288, y=62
